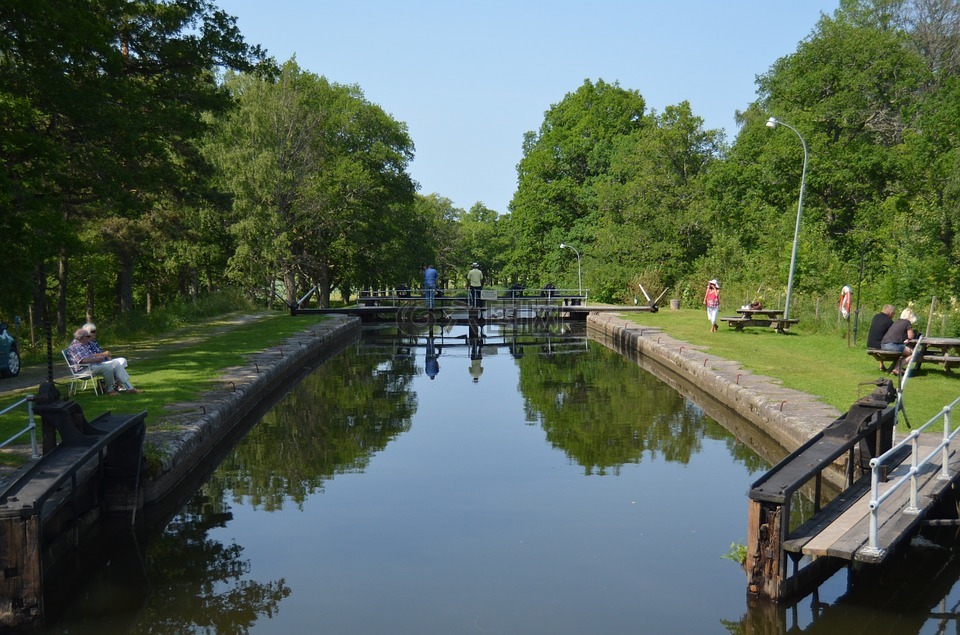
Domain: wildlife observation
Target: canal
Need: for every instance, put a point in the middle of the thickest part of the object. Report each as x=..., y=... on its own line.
x=492, y=481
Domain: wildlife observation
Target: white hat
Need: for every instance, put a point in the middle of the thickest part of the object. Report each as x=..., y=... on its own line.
x=475, y=265
x=715, y=283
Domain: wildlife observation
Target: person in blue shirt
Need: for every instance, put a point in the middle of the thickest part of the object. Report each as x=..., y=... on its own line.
x=430, y=284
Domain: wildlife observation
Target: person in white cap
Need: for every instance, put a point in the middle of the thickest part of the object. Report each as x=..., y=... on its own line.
x=475, y=283
x=712, y=301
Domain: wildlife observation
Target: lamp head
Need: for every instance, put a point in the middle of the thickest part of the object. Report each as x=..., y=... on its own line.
x=772, y=122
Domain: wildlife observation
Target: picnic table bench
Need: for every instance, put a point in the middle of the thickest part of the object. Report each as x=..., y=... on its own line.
x=883, y=357
x=933, y=350
x=760, y=317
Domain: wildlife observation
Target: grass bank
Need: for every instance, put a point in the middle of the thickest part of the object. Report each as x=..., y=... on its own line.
x=819, y=363
x=176, y=367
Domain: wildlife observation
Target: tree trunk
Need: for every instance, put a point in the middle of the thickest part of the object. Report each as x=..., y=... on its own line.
x=91, y=299
x=62, y=294
x=125, y=284
x=290, y=288
x=40, y=295
x=323, y=288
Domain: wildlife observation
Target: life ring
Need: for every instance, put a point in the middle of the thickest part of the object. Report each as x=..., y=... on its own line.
x=845, y=302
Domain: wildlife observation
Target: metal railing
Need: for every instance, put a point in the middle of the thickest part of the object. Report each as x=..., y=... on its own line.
x=31, y=425
x=395, y=297
x=916, y=464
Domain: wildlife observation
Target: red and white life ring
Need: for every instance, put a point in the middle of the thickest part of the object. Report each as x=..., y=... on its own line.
x=845, y=302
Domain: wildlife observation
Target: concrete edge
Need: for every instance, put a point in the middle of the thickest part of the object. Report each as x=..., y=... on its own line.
x=198, y=427
x=788, y=416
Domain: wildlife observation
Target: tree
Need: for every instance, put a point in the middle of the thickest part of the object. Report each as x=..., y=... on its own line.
x=105, y=101
x=555, y=199
x=318, y=174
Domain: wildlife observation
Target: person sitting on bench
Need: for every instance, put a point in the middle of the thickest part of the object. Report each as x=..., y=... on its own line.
x=896, y=337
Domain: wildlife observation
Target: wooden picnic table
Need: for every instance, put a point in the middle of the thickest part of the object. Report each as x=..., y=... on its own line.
x=939, y=350
x=760, y=317
x=770, y=314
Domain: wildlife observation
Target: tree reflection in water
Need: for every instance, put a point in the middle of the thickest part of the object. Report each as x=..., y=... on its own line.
x=603, y=419
x=331, y=423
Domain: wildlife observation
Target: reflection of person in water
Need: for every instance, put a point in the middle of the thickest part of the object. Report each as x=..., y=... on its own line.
x=476, y=352
x=431, y=364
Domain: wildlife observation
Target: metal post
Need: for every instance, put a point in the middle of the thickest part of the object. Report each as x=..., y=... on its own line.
x=35, y=452
x=773, y=122
x=579, y=278
x=915, y=447
x=945, y=452
x=874, y=504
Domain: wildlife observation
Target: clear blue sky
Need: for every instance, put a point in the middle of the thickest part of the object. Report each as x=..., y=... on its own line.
x=470, y=77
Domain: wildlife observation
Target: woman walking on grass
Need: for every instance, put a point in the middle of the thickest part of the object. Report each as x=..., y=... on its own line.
x=712, y=301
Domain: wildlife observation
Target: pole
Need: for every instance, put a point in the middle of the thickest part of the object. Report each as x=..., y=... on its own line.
x=796, y=231
x=772, y=123
x=856, y=314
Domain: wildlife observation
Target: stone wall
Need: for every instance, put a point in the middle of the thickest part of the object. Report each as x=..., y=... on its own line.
x=789, y=417
x=187, y=434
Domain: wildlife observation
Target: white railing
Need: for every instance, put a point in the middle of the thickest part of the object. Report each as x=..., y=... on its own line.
x=31, y=425
x=916, y=463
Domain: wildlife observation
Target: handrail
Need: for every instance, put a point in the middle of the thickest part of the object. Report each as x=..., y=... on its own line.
x=31, y=426
x=916, y=463
x=397, y=296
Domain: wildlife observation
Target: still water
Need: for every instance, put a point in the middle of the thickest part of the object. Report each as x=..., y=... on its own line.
x=486, y=482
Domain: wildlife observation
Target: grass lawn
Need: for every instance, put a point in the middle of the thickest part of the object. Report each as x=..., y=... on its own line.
x=176, y=367
x=818, y=363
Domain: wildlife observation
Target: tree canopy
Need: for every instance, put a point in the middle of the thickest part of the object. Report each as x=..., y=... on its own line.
x=149, y=154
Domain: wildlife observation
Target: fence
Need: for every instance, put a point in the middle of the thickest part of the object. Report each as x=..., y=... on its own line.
x=31, y=425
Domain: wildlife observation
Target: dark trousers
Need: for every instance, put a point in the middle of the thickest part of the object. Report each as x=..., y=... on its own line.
x=474, y=299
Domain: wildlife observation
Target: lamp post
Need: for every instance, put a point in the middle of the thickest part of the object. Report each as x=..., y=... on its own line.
x=579, y=279
x=772, y=123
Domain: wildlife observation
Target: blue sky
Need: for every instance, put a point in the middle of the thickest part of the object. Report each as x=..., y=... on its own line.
x=469, y=78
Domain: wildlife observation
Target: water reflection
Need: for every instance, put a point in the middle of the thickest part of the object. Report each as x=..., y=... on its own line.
x=568, y=491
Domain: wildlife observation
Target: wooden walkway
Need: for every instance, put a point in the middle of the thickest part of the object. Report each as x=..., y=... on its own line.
x=868, y=520
x=841, y=529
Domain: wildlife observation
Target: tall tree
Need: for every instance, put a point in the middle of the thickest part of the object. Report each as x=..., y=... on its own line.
x=555, y=198
x=319, y=179
x=106, y=98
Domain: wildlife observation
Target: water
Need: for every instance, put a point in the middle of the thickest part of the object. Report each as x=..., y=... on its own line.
x=533, y=485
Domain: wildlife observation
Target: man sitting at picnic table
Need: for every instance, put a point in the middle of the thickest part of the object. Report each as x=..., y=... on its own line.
x=879, y=326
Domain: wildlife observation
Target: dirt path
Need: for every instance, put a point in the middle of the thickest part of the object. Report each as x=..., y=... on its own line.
x=31, y=376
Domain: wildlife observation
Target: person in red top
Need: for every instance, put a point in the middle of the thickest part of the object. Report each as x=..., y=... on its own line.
x=711, y=300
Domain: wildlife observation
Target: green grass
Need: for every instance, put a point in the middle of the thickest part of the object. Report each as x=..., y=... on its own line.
x=177, y=367
x=820, y=363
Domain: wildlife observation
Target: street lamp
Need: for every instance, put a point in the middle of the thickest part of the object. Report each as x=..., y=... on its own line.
x=579, y=279
x=772, y=123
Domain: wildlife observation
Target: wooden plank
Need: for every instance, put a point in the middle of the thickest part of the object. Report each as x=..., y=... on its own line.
x=940, y=359
x=893, y=525
x=806, y=532
x=853, y=524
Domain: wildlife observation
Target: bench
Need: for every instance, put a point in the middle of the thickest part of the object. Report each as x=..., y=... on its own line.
x=738, y=322
x=883, y=356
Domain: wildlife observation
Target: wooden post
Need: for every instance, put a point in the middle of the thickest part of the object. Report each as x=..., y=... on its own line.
x=765, y=559
x=21, y=585
x=933, y=304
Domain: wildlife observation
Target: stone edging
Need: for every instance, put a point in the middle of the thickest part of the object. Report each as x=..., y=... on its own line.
x=788, y=416
x=193, y=430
